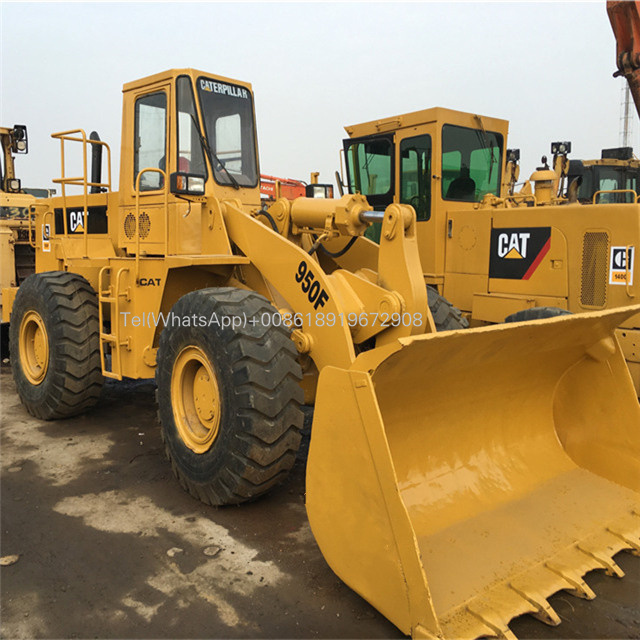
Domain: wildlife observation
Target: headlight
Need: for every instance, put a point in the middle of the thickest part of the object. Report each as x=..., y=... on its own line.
x=19, y=138
x=319, y=191
x=187, y=184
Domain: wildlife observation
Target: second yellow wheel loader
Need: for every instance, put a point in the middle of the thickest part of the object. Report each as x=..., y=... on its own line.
x=454, y=480
x=491, y=252
x=17, y=254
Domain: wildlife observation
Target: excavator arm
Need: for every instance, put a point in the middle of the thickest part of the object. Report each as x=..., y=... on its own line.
x=625, y=22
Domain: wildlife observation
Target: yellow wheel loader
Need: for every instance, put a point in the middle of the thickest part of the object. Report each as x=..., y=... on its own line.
x=17, y=252
x=454, y=479
x=493, y=252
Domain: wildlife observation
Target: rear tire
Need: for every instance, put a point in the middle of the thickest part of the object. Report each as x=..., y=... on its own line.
x=445, y=315
x=54, y=345
x=229, y=398
x=537, y=313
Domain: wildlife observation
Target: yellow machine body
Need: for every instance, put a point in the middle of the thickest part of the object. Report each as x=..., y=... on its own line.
x=499, y=252
x=443, y=467
x=16, y=251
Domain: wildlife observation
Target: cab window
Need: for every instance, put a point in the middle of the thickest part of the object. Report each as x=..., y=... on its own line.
x=471, y=163
x=190, y=153
x=150, y=139
x=227, y=110
x=369, y=164
x=415, y=174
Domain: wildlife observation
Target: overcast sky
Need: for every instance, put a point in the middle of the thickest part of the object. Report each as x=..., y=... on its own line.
x=316, y=67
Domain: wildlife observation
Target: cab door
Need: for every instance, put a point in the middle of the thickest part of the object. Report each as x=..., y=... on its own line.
x=147, y=147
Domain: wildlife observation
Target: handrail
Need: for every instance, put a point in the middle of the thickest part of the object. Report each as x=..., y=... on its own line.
x=30, y=228
x=597, y=193
x=52, y=228
x=166, y=214
x=628, y=274
x=79, y=181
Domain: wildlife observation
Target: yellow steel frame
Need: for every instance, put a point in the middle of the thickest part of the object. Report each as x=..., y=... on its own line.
x=111, y=297
x=79, y=181
x=598, y=193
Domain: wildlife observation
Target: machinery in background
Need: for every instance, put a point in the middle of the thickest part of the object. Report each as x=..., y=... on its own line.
x=614, y=178
x=17, y=250
x=489, y=250
x=273, y=188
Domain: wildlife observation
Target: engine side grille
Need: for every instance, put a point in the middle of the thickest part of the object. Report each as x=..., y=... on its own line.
x=595, y=254
x=130, y=226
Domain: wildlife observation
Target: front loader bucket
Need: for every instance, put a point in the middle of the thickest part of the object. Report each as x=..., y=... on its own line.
x=457, y=480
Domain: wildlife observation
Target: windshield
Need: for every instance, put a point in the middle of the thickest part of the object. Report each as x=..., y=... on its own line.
x=471, y=163
x=609, y=179
x=227, y=110
x=369, y=166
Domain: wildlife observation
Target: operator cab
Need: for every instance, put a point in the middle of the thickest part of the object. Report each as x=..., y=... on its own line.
x=426, y=160
x=222, y=142
x=617, y=170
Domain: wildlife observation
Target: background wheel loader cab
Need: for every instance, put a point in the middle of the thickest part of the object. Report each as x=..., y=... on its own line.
x=614, y=178
x=249, y=313
x=488, y=250
x=17, y=247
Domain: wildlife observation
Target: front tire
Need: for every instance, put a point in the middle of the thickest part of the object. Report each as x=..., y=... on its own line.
x=54, y=345
x=445, y=315
x=228, y=396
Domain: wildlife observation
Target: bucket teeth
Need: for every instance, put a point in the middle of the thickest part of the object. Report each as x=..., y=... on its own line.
x=611, y=568
x=579, y=587
x=633, y=545
x=492, y=621
x=543, y=610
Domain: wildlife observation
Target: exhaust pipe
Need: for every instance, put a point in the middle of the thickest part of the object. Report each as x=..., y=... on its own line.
x=96, y=163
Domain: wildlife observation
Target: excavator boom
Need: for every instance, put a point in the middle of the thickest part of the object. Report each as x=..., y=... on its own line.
x=625, y=22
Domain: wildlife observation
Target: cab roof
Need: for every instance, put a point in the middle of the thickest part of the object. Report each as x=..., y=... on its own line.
x=171, y=74
x=427, y=116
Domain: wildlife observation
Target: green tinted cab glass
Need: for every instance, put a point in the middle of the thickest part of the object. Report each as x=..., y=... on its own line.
x=415, y=174
x=369, y=164
x=608, y=179
x=471, y=163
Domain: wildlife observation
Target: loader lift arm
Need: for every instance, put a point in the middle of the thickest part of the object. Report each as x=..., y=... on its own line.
x=624, y=16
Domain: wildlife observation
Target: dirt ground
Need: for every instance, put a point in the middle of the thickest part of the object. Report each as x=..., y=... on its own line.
x=110, y=546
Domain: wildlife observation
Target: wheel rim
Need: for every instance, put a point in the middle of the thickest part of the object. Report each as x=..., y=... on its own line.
x=34, y=347
x=195, y=397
